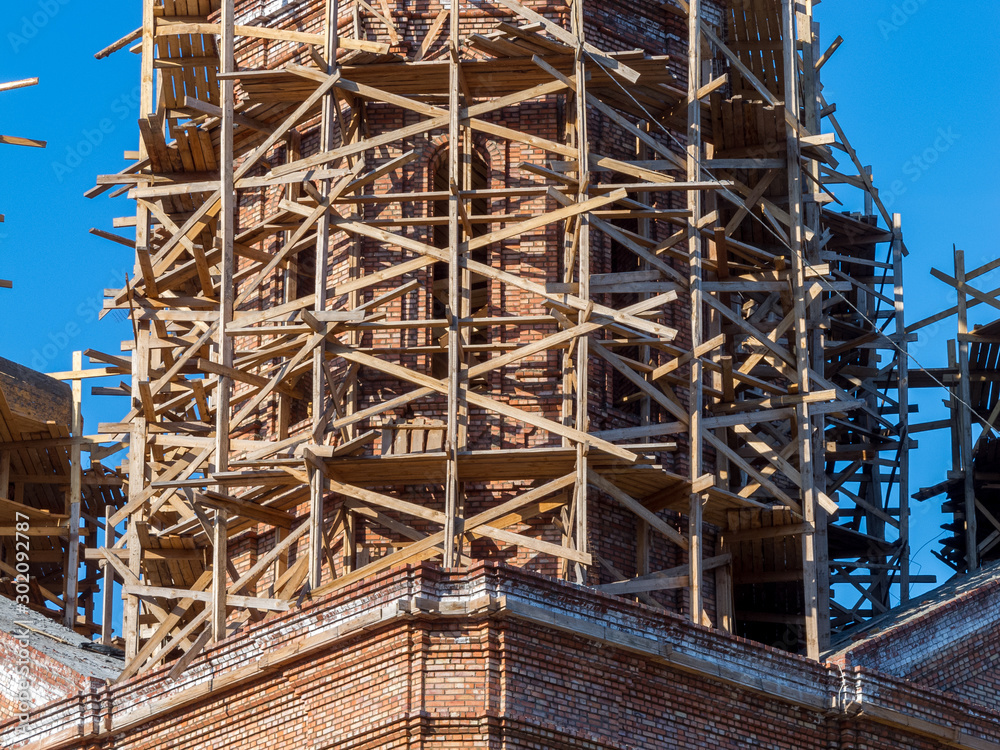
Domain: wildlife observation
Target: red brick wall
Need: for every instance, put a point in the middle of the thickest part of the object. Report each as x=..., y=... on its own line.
x=954, y=647
x=469, y=667
x=47, y=680
x=969, y=668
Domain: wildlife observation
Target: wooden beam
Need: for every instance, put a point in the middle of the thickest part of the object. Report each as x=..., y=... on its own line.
x=965, y=413
x=804, y=424
x=608, y=487
x=673, y=578
x=73, y=501
x=696, y=395
x=244, y=602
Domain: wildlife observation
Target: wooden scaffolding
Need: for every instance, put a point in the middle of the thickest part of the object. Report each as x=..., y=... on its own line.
x=971, y=379
x=325, y=357
x=49, y=501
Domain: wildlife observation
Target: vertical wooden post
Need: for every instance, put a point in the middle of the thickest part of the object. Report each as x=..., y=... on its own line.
x=72, y=572
x=582, y=379
x=220, y=539
x=351, y=392
x=869, y=200
x=227, y=291
x=317, y=486
x=465, y=313
x=317, y=482
x=724, y=597
x=5, y=474
x=455, y=354
x=108, y=580
x=965, y=418
x=140, y=360
x=802, y=336
x=350, y=551
x=645, y=226
x=954, y=418
x=291, y=280
x=808, y=35
x=91, y=568
x=137, y=480
x=569, y=249
x=696, y=392
x=903, y=397
x=809, y=38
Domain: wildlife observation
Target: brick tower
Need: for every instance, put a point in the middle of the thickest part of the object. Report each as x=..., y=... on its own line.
x=539, y=286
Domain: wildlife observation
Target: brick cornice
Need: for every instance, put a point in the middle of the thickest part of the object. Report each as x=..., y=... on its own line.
x=499, y=598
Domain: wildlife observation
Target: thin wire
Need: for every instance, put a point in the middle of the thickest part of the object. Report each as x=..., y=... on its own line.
x=924, y=546
x=804, y=260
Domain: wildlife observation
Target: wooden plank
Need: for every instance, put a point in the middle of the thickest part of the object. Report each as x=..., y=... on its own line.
x=537, y=545
x=770, y=532
x=432, y=33
x=13, y=140
x=23, y=83
x=606, y=486
x=165, y=592
x=483, y=402
x=245, y=508
x=73, y=502
x=964, y=411
x=428, y=547
x=167, y=28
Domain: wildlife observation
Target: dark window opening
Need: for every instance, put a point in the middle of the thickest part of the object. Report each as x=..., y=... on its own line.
x=479, y=179
x=625, y=396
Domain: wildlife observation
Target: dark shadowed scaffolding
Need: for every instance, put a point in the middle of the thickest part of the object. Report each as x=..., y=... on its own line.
x=972, y=537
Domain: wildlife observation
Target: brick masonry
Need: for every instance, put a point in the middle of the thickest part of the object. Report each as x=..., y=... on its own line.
x=498, y=657
x=45, y=662
x=948, y=640
x=45, y=680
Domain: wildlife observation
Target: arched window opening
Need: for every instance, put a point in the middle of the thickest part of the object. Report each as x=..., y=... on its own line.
x=478, y=179
x=625, y=396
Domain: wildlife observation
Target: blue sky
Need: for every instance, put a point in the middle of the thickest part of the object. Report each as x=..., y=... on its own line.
x=912, y=83
x=908, y=84
x=86, y=110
